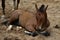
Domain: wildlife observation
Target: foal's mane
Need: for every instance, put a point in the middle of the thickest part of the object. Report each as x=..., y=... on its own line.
x=42, y=8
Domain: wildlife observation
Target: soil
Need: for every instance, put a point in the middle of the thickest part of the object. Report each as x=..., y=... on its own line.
x=53, y=13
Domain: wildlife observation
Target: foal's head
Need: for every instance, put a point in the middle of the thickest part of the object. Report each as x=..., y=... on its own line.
x=42, y=19
x=41, y=14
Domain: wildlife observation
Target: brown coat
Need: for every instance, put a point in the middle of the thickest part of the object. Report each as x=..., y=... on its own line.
x=31, y=21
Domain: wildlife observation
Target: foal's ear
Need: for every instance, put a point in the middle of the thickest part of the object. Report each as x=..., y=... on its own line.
x=42, y=8
x=46, y=7
x=36, y=7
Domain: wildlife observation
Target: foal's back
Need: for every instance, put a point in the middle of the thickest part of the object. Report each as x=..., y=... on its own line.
x=26, y=19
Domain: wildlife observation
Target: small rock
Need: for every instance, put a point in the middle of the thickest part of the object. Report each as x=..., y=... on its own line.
x=57, y=26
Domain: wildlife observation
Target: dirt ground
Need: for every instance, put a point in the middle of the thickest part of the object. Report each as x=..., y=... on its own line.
x=53, y=13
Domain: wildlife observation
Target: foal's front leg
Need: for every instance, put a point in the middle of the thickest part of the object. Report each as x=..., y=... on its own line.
x=31, y=31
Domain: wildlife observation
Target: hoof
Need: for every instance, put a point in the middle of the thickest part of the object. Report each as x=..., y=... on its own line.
x=34, y=34
x=46, y=34
x=31, y=33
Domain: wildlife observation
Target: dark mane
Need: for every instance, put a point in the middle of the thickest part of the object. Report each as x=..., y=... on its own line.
x=41, y=9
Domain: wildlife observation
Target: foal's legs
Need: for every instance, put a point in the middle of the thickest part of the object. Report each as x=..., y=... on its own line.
x=3, y=6
x=31, y=31
x=13, y=17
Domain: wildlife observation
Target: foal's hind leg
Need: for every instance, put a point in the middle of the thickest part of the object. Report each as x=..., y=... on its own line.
x=3, y=6
x=11, y=20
